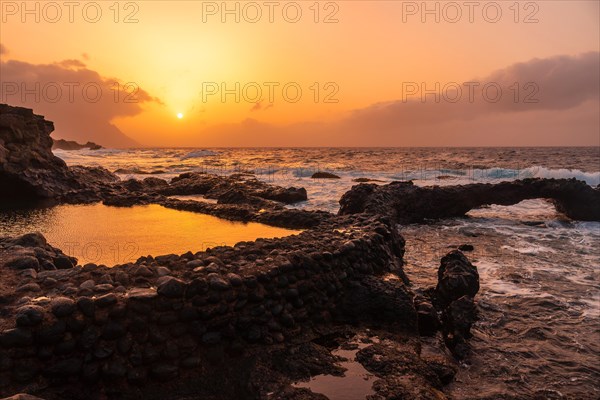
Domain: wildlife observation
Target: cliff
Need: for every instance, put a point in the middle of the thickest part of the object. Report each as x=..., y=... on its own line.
x=28, y=169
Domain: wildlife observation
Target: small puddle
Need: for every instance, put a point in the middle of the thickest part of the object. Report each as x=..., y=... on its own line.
x=113, y=235
x=357, y=382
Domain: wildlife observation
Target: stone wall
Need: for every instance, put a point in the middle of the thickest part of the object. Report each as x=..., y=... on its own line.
x=160, y=316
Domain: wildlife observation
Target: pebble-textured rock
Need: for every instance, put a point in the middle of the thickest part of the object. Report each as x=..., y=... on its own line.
x=256, y=293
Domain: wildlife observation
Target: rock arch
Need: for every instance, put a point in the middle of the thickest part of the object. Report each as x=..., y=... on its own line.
x=407, y=203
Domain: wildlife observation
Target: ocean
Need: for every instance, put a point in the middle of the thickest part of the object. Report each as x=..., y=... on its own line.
x=539, y=327
x=294, y=166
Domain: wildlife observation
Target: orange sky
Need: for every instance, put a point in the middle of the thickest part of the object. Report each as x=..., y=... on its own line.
x=177, y=49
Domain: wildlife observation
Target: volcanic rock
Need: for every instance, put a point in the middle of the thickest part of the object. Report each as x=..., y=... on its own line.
x=407, y=203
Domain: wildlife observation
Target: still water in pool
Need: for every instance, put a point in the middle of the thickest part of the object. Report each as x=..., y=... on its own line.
x=113, y=235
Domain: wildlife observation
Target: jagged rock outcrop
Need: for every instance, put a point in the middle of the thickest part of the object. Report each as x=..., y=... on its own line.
x=454, y=296
x=457, y=277
x=408, y=203
x=215, y=187
x=28, y=169
x=73, y=145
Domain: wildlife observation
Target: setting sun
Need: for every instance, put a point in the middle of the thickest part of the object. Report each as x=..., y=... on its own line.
x=179, y=115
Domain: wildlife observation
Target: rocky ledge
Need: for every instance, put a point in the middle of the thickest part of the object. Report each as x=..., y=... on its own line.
x=406, y=203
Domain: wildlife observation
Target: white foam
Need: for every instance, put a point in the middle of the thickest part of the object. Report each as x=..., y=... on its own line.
x=591, y=178
x=532, y=250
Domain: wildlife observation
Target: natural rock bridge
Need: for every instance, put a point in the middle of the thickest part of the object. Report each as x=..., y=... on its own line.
x=406, y=203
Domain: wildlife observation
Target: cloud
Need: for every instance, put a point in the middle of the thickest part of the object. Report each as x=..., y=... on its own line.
x=257, y=106
x=556, y=104
x=69, y=64
x=3, y=49
x=556, y=83
x=80, y=101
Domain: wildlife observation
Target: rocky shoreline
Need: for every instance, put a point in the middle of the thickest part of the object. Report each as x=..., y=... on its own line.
x=236, y=322
x=163, y=318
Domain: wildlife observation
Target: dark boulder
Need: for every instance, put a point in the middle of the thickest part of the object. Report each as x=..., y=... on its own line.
x=62, y=306
x=16, y=337
x=63, y=262
x=171, y=287
x=23, y=262
x=458, y=318
x=63, y=368
x=457, y=277
x=34, y=239
x=164, y=372
x=324, y=175
x=427, y=316
x=29, y=315
x=453, y=297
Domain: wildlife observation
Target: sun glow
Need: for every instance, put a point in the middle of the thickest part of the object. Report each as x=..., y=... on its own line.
x=179, y=115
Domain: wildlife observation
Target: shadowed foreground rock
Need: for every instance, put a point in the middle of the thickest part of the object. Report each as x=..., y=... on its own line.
x=407, y=203
x=454, y=295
